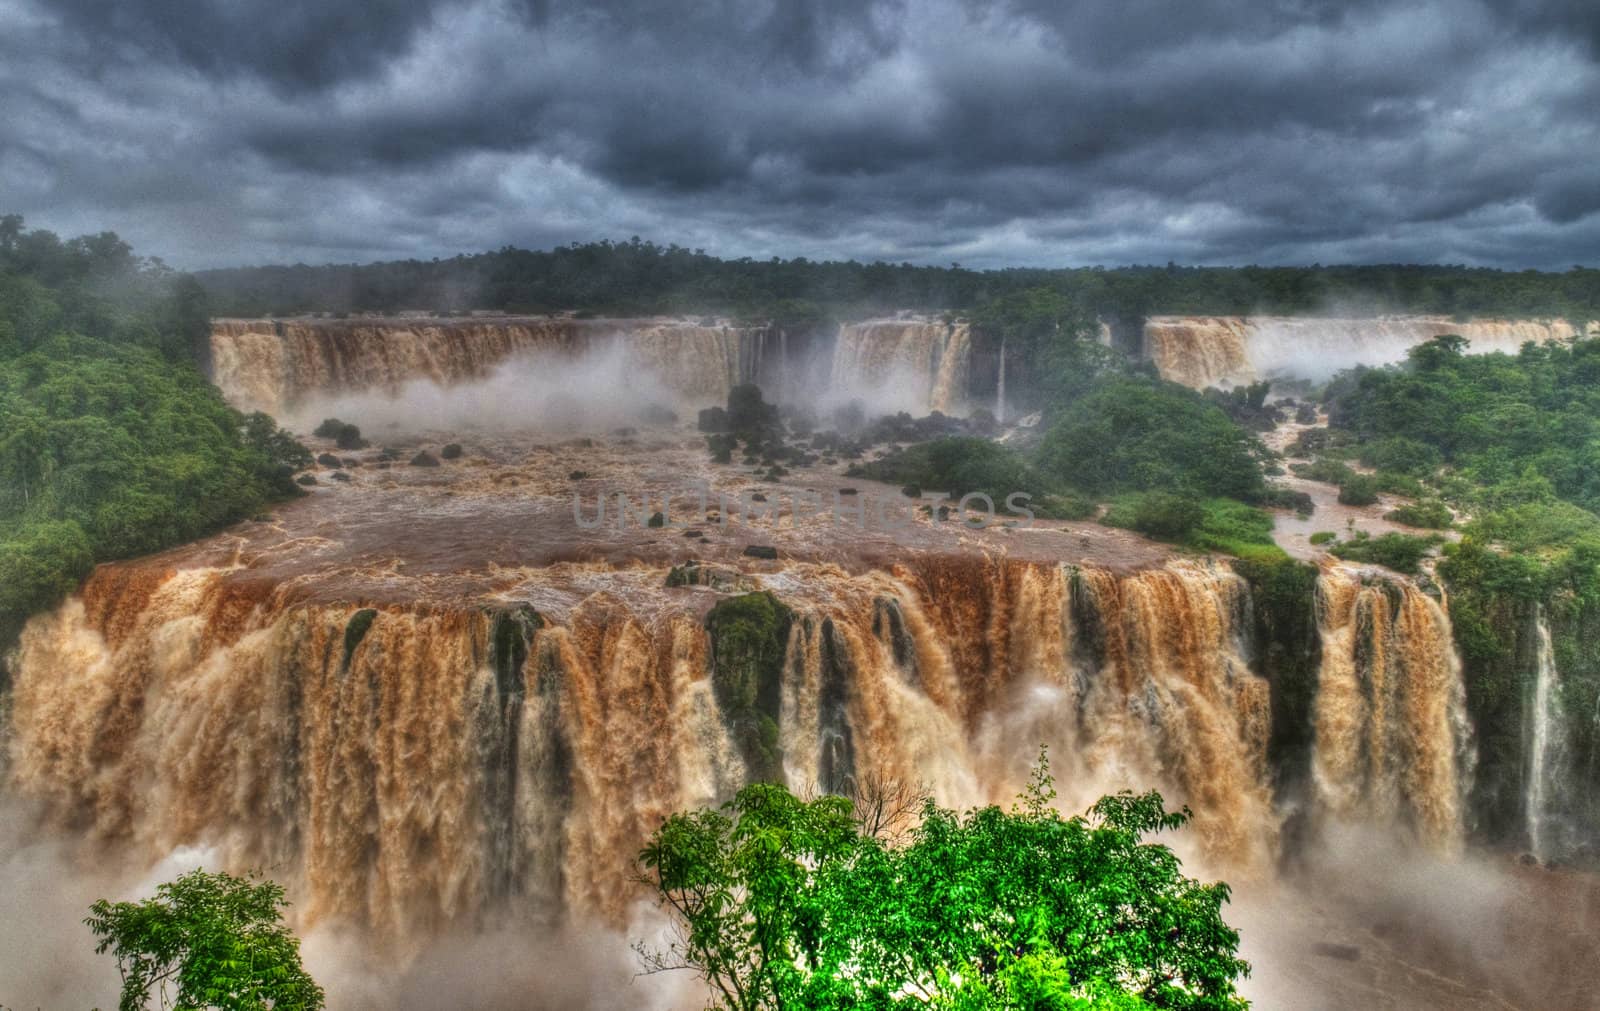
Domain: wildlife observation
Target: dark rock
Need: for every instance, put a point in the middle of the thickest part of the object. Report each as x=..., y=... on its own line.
x=624, y=432
x=328, y=460
x=351, y=463
x=577, y=475
x=847, y=491
x=349, y=437
x=912, y=491
x=1343, y=952
x=713, y=419
x=262, y=518
x=424, y=459
x=658, y=416
x=758, y=497
x=766, y=551
x=451, y=451
x=694, y=533
x=657, y=520
x=307, y=479
x=339, y=475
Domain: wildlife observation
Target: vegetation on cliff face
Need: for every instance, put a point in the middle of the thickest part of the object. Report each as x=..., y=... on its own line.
x=783, y=902
x=749, y=636
x=112, y=443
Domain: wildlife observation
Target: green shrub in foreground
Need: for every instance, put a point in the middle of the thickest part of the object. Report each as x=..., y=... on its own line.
x=783, y=902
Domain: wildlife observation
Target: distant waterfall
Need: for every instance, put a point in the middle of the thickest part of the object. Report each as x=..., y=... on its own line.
x=1000, y=391
x=1549, y=744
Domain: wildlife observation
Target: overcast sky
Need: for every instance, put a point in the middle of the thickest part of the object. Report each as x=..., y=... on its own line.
x=1023, y=133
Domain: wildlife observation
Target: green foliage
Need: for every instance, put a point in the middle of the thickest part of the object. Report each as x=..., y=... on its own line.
x=94, y=284
x=1326, y=469
x=206, y=941
x=1158, y=514
x=1218, y=524
x=1323, y=537
x=1139, y=434
x=958, y=465
x=749, y=636
x=1498, y=419
x=1238, y=529
x=39, y=566
x=1401, y=455
x=1051, y=343
x=1358, y=490
x=107, y=448
x=639, y=277
x=1283, y=594
x=1430, y=514
x=1397, y=551
x=784, y=903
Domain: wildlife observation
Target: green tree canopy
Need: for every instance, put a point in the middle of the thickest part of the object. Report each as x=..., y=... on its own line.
x=206, y=941
x=1135, y=433
x=783, y=903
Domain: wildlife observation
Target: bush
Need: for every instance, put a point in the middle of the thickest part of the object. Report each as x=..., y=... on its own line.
x=1136, y=434
x=1323, y=537
x=1279, y=497
x=1324, y=469
x=1430, y=515
x=1236, y=529
x=1161, y=515
x=1400, y=552
x=958, y=465
x=1066, y=505
x=1401, y=455
x=1358, y=490
x=349, y=437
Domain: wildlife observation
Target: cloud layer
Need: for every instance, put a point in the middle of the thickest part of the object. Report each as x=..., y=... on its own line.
x=1029, y=132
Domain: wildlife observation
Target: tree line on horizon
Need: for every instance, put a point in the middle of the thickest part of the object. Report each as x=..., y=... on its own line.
x=641, y=277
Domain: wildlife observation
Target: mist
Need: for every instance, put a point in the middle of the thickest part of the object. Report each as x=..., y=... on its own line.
x=599, y=389
x=47, y=957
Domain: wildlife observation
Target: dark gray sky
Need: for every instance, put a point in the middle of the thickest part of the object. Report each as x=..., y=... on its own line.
x=1029, y=133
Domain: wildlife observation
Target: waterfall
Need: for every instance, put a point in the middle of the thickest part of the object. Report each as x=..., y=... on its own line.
x=1392, y=737
x=273, y=365
x=1547, y=753
x=1201, y=351
x=783, y=366
x=1000, y=389
x=903, y=365
x=412, y=764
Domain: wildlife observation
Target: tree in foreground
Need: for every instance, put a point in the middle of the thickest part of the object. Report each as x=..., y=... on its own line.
x=206, y=941
x=782, y=903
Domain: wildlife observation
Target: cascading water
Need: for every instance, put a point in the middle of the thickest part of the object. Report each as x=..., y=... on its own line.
x=417, y=766
x=273, y=365
x=1392, y=737
x=913, y=365
x=1547, y=750
x=1201, y=351
x=1000, y=387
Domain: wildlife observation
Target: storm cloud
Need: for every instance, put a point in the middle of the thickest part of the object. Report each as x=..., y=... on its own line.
x=1021, y=133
